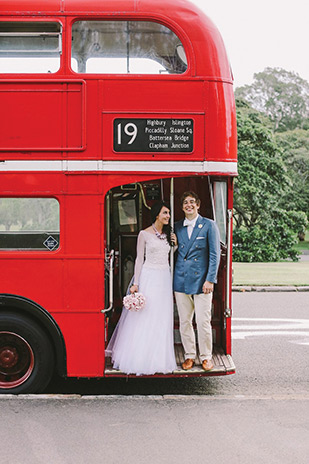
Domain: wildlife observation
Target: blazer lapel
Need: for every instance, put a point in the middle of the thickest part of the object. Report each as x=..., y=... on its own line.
x=184, y=235
x=194, y=234
x=196, y=229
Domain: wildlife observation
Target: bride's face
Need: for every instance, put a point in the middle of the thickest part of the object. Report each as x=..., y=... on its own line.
x=164, y=216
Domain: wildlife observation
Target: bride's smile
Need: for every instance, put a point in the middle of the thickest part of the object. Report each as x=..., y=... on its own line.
x=163, y=217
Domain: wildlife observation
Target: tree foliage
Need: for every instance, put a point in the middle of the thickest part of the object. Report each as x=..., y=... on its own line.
x=295, y=152
x=281, y=95
x=265, y=230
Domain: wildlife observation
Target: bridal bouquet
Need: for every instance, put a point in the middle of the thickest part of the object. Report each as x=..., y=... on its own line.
x=134, y=301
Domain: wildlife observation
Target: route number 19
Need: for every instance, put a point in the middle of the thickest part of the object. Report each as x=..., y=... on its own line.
x=129, y=129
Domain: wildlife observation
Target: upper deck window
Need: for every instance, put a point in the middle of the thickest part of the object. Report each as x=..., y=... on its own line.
x=126, y=47
x=30, y=47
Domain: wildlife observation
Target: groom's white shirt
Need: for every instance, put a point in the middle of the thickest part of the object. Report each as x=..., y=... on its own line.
x=190, y=225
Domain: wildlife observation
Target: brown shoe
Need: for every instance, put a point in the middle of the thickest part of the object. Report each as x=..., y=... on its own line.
x=188, y=364
x=207, y=365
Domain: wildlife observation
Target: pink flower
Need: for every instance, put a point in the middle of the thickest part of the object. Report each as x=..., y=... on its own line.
x=134, y=301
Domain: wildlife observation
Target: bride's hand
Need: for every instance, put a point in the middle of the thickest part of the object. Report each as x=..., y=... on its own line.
x=134, y=289
x=174, y=238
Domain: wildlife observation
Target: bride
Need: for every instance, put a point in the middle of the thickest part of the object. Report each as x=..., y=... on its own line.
x=142, y=342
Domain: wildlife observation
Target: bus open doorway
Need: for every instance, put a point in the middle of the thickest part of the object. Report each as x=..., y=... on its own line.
x=127, y=212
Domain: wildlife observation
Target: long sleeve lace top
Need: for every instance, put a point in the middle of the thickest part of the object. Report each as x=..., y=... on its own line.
x=151, y=252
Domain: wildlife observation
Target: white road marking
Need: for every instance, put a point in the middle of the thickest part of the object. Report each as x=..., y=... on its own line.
x=244, y=327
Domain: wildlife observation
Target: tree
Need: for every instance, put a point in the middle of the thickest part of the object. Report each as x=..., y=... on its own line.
x=295, y=150
x=264, y=229
x=281, y=95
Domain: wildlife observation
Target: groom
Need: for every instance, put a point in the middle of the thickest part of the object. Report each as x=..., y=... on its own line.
x=195, y=274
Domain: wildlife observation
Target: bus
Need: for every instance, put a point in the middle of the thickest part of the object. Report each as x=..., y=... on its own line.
x=106, y=107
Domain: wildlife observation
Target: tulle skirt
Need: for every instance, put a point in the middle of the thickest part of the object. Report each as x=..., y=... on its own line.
x=143, y=342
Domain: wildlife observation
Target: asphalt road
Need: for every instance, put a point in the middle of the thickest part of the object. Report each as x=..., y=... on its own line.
x=270, y=350
x=260, y=414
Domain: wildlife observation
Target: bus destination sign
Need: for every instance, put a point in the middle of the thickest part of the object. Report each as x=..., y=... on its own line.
x=153, y=135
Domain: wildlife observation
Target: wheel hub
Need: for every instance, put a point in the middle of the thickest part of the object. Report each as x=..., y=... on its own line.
x=16, y=360
x=8, y=357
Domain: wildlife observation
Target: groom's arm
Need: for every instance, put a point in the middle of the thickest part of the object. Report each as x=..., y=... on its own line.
x=214, y=255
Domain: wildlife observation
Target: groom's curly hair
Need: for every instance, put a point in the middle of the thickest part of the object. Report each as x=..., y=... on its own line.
x=190, y=194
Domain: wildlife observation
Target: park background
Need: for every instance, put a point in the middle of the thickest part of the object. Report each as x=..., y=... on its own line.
x=266, y=44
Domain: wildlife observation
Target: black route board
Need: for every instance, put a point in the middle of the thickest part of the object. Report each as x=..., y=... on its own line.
x=153, y=135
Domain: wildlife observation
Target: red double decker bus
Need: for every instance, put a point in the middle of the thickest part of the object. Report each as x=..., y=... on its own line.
x=106, y=107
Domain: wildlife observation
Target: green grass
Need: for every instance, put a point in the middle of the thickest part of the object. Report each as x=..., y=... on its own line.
x=264, y=274
x=304, y=245
x=269, y=274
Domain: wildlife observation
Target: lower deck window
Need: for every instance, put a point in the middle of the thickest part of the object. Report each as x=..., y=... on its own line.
x=29, y=224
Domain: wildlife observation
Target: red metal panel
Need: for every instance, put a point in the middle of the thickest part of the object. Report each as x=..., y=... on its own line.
x=38, y=277
x=84, y=283
x=83, y=223
x=99, y=6
x=84, y=340
x=41, y=115
x=221, y=136
x=30, y=6
x=153, y=95
x=31, y=184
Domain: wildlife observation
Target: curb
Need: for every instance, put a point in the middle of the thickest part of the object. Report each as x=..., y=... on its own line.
x=234, y=397
x=277, y=288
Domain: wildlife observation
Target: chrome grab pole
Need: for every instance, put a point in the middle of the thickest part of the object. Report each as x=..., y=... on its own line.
x=172, y=222
x=111, y=281
x=210, y=186
x=228, y=311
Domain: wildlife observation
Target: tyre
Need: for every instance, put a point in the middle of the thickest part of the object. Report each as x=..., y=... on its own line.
x=26, y=355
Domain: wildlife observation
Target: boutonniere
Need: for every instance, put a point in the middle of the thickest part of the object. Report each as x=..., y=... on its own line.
x=200, y=226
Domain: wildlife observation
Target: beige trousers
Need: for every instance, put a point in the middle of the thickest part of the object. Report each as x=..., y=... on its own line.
x=201, y=305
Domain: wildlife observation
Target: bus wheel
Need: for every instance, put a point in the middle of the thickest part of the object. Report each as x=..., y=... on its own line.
x=26, y=355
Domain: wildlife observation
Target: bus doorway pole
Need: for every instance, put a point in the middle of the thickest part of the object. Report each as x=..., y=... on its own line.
x=172, y=223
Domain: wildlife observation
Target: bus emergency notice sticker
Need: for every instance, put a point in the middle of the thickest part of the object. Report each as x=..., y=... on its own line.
x=153, y=135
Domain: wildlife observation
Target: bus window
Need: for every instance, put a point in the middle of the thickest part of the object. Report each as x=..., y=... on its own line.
x=30, y=47
x=119, y=66
x=220, y=203
x=29, y=224
x=126, y=47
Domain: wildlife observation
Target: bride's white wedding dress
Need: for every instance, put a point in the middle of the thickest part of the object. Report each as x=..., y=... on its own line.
x=142, y=342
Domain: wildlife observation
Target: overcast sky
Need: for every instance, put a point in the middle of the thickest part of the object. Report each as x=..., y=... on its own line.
x=259, y=34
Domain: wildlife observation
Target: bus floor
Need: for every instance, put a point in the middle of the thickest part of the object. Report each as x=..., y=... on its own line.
x=223, y=365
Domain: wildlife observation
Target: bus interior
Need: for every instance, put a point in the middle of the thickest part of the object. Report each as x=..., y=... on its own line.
x=127, y=212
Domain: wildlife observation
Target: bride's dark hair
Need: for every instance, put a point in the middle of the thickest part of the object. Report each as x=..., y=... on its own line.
x=155, y=211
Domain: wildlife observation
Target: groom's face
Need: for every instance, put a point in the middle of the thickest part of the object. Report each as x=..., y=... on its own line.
x=190, y=207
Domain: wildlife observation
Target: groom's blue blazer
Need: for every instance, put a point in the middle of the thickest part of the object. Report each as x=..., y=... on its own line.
x=198, y=258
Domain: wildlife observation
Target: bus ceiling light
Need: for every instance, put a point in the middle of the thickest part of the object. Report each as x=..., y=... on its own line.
x=181, y=53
